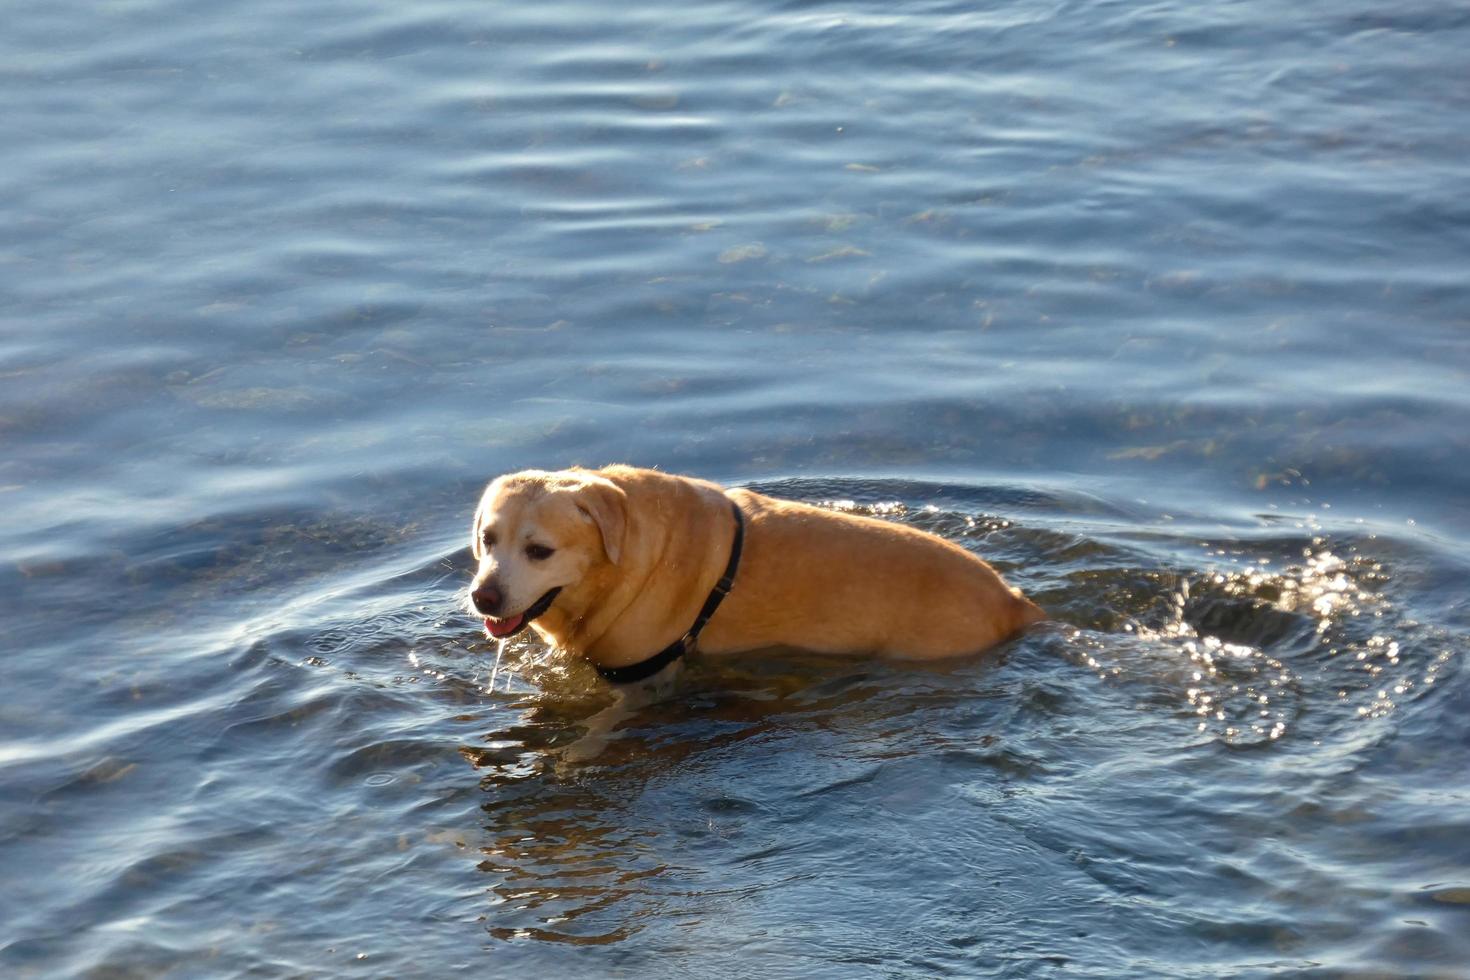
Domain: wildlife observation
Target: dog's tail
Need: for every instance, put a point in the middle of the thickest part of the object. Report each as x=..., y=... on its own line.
x=1027, y=612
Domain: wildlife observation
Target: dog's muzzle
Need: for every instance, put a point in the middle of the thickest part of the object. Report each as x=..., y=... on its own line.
x=502, y=629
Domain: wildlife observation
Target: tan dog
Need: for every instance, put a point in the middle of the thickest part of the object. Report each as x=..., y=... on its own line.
x=616, y=564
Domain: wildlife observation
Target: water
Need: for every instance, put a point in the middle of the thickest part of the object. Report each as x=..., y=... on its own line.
x=1161, y=307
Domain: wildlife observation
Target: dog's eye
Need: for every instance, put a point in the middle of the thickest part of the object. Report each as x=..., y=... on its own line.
x=539, y=552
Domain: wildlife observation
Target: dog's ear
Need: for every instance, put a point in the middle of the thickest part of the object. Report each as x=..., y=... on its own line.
x=606, y=503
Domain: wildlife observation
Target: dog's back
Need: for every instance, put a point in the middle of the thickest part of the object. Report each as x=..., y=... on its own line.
x=828, y=581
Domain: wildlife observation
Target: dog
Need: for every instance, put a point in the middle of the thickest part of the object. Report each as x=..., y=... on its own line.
x=633, y=568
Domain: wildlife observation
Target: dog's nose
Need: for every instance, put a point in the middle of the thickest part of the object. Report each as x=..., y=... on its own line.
x=487, y=599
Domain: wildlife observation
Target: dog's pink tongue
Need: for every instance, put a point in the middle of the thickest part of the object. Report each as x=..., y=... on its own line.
x=502, y=627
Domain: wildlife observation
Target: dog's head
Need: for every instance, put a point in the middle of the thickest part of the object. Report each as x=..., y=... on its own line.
x=537, y=534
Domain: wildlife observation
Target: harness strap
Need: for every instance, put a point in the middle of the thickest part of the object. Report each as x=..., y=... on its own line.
x=644, y=669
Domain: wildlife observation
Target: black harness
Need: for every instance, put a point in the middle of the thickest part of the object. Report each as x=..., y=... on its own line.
x=644, y=669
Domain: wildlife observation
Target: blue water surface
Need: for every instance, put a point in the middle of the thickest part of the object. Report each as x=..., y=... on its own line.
x=1161, y=307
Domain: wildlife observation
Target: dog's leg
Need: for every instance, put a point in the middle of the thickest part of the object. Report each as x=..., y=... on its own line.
x=601, y=725
x=599, y=731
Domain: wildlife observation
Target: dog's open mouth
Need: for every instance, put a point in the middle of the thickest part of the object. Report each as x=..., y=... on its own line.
x=511, y=625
